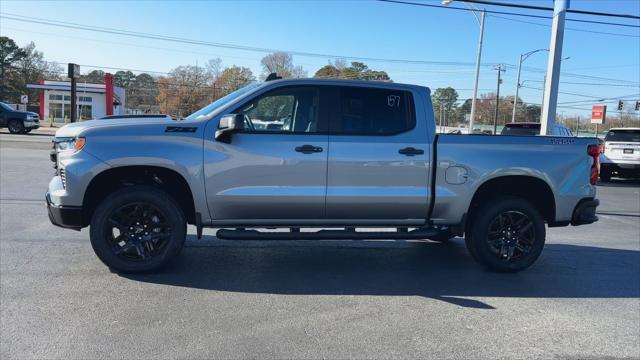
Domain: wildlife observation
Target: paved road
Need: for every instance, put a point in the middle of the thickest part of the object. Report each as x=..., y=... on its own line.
x=312, y=299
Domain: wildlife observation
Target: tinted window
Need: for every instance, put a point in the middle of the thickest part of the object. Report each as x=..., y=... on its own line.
x=522, y=130
x=623, y=135
x=366, y=111
x=291, y=109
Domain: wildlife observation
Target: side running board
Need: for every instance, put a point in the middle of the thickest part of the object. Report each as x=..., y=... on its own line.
x=421, y=233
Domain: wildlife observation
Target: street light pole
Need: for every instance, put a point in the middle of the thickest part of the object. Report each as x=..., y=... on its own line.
x=515, y=99
x=523, y=57
x=478, y=58
x=475, y=83
x=495, y=118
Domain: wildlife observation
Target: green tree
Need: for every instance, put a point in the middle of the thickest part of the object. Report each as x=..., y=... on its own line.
x=328, y=71
x=93, y=77
x=357, y=71
x=142, y=92
x=123, y=79
x=232, y=79
x=10, y=55
x=444, y=104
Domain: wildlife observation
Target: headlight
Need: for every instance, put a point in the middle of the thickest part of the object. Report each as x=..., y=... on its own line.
x=70, y=144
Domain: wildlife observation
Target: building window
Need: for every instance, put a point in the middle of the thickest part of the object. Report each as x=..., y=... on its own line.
x=67, y=98
x=55, y=97
x=55, y=110
x=85, y=98
x=85, y=111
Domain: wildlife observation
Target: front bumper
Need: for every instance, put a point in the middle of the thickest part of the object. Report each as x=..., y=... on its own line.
x=31, y=124
x=69, y=217
x=585, y=212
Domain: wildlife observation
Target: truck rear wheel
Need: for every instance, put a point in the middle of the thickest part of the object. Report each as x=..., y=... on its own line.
x=506, y=234
x=137, y=229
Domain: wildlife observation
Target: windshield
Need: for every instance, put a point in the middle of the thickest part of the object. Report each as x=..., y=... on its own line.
x=623, y=135
x=207, y=110
x=5, y=107
x=521, y=130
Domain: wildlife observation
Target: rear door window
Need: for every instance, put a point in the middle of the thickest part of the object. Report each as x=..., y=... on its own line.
x=521, y=130
x=623, y=135
x=371, y=111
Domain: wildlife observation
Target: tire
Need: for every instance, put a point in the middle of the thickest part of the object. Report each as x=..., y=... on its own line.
x=27, y=131
x=137, y=229
x=605, y=175
x=506, y=235
x=15, y=126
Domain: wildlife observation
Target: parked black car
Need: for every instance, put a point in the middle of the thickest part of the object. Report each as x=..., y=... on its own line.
x=18, y=122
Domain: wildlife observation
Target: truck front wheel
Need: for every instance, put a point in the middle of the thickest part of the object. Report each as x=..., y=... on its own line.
x=137, y=229
x=506, y=234
x=15, y=126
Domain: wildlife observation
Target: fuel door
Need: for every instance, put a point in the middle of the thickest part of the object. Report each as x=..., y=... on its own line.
x=456, y=175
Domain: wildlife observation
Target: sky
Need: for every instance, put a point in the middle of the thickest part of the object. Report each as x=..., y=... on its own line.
x=603, y=60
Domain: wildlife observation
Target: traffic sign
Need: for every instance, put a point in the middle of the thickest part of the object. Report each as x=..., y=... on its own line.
x=598, y=114
x=24, y=99
x=73, y=71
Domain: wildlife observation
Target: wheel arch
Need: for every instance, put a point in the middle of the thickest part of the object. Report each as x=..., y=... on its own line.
x=530, y=188
x=112, y=179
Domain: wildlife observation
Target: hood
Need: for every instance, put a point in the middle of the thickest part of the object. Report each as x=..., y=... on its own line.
x=74, y=129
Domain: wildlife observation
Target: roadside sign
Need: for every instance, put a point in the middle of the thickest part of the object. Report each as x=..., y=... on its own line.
x=73, y=71
x=598, y=114
x=24, y=99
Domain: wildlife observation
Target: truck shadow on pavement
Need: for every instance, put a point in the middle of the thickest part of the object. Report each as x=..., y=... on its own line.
x=439, y=271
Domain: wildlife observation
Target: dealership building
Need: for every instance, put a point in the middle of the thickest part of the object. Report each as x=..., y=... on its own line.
x=94, y=100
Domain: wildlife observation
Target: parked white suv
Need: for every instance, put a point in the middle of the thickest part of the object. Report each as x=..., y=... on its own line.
x=621, y=156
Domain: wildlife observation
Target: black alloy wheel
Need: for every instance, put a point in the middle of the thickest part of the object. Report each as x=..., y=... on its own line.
x=505, y=234
x=511, y=235
x=137, y=229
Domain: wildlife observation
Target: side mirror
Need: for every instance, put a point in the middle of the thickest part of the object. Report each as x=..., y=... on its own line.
x=228, y=125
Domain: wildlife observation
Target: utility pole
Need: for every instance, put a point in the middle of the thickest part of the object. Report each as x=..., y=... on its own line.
x=73, y=72
x=475, y=83
x=500, y=69
x=553, y=67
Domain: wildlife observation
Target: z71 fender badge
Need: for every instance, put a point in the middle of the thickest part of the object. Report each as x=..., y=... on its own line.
x=180, y=129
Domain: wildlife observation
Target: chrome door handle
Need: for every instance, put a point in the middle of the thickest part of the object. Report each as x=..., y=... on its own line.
x=410, y=151
x=308, y=149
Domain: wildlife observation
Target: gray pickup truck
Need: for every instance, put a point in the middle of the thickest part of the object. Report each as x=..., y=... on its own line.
x=340, y=159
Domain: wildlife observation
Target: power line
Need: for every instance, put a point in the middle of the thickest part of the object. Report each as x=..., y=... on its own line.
x=266, y=50
x=584, y=83
x=114, y=31
x=532, y=7
x=566, y=28
x=507, y=13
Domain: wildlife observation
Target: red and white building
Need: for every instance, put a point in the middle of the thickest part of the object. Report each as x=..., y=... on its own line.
x=94, y=100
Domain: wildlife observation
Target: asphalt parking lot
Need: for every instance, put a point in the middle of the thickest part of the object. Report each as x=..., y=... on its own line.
x=382, y=299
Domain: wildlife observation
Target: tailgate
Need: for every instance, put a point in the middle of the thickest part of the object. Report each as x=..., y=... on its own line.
x=627, y=151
